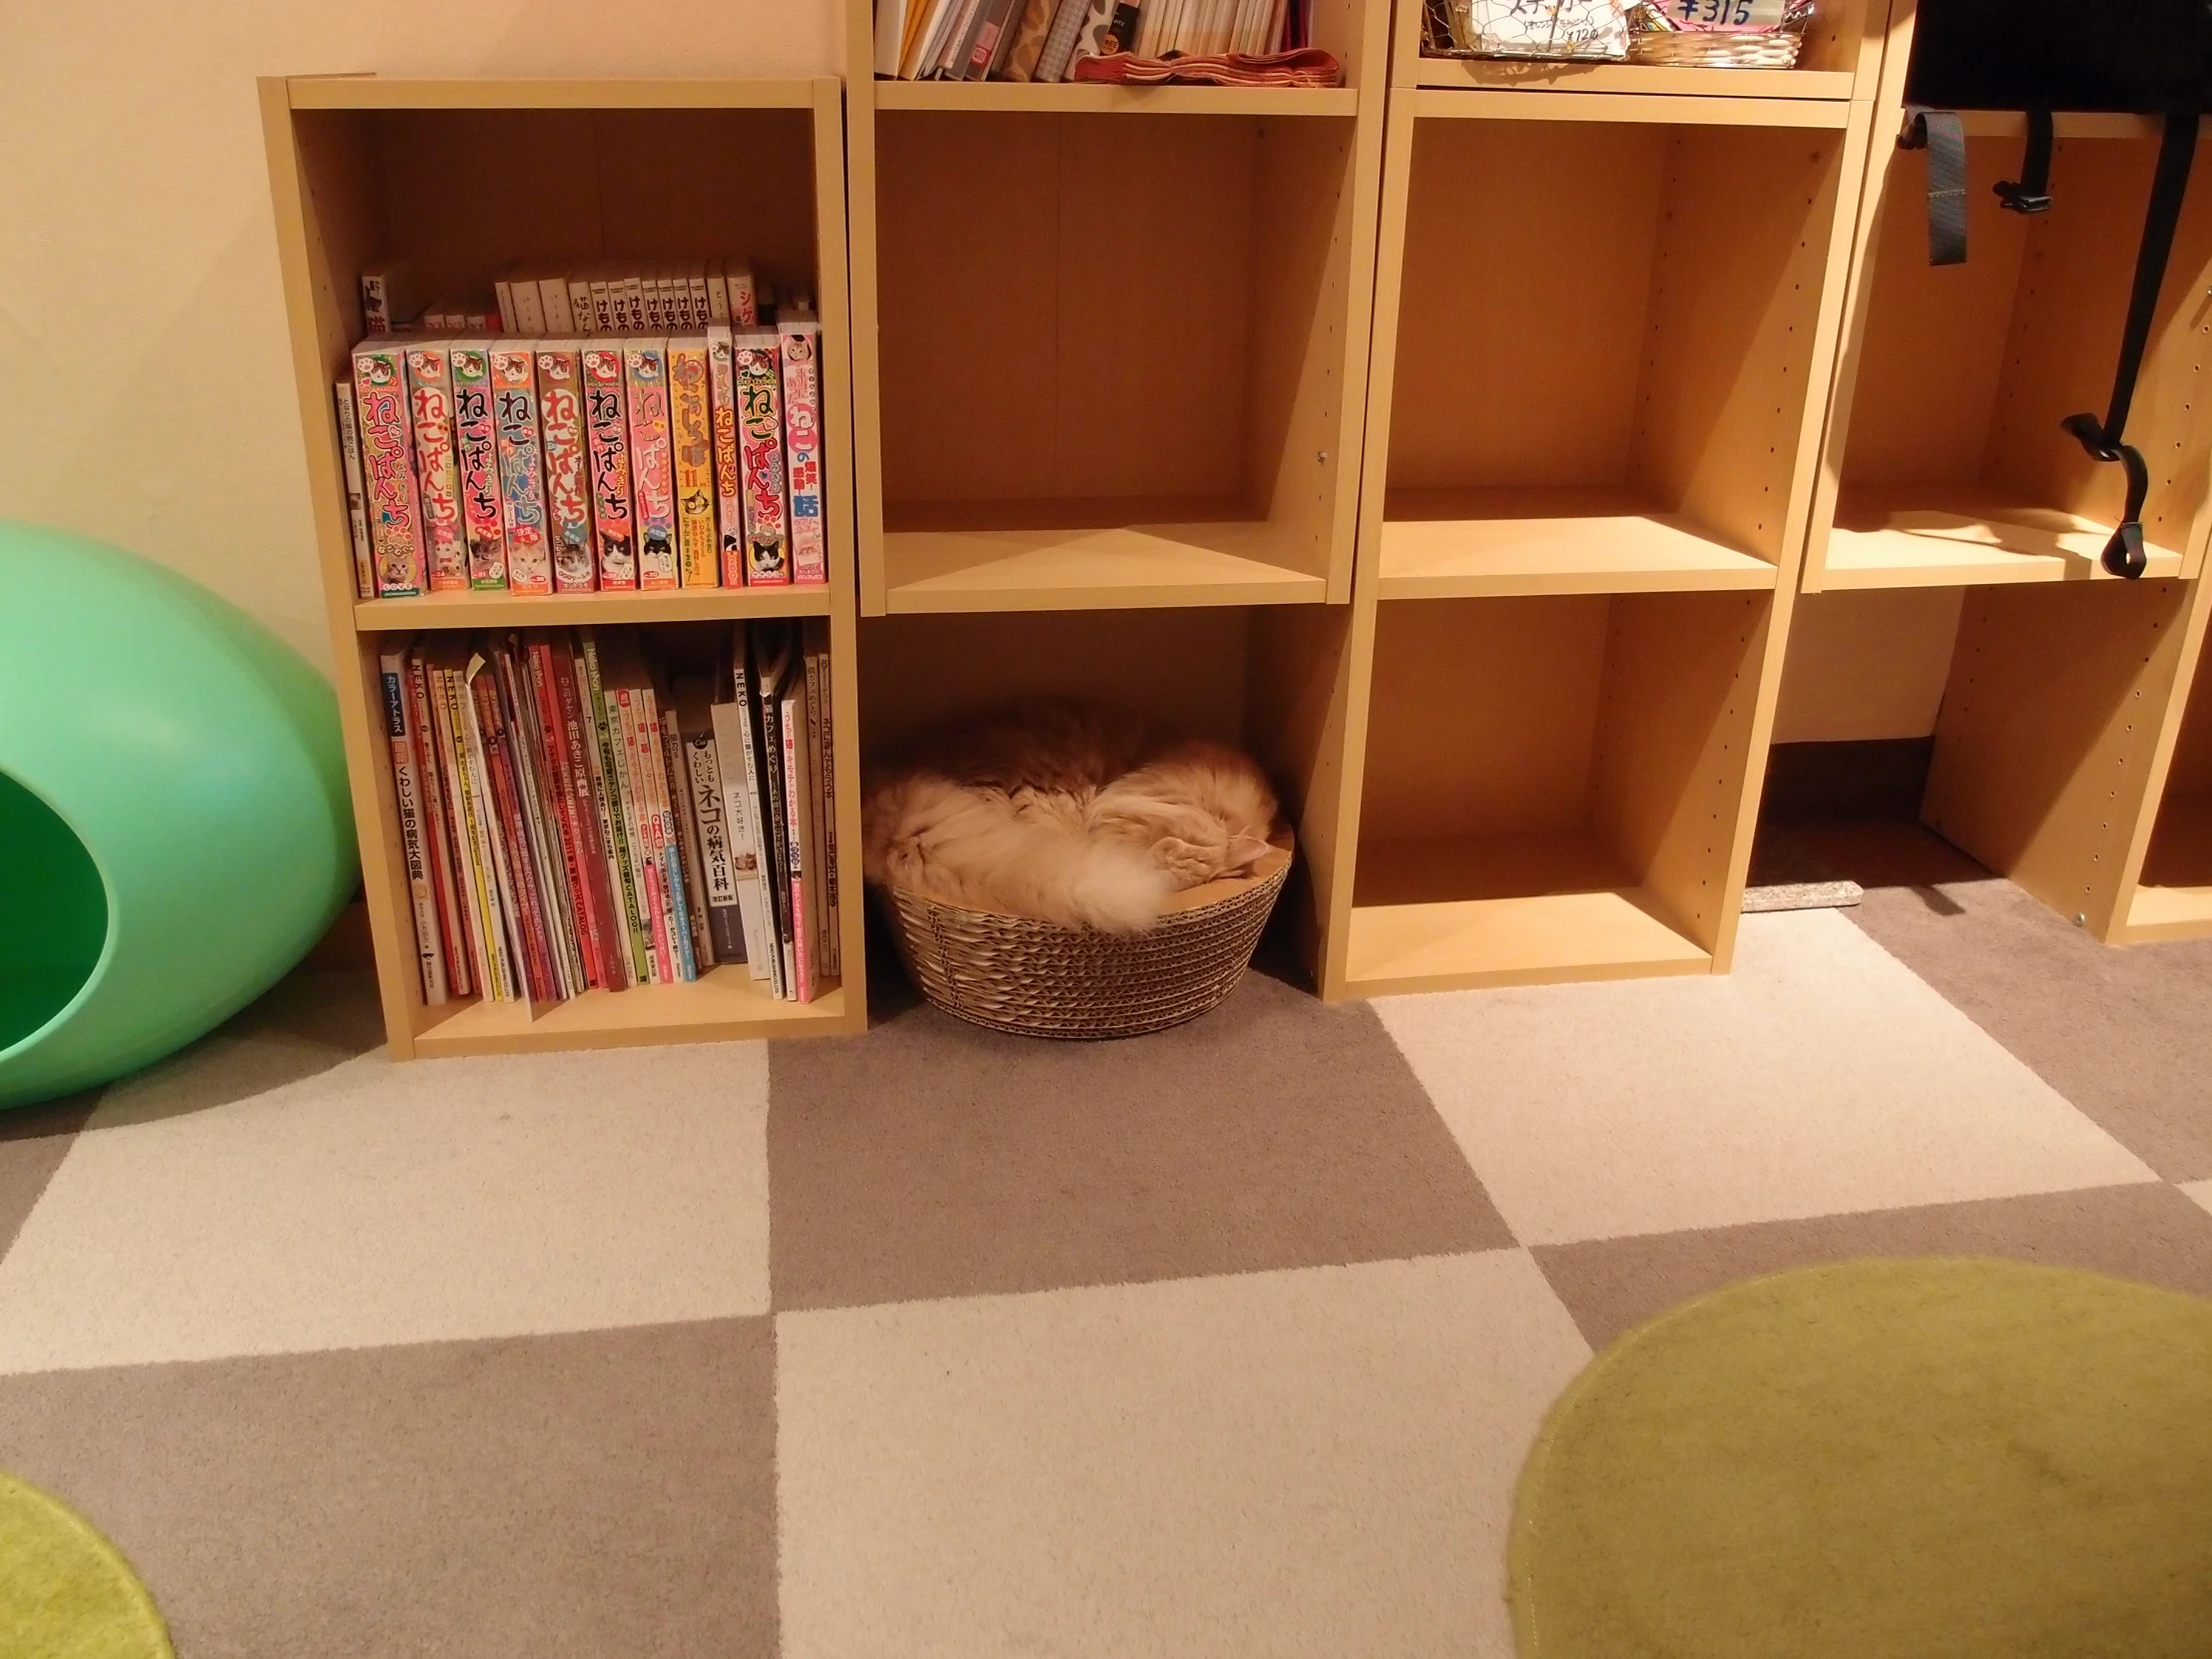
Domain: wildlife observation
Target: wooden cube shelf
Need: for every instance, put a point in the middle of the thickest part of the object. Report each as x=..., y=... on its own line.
x=1104, y=361
x=1947, y=462
x=1551, y=788
x=459, y=177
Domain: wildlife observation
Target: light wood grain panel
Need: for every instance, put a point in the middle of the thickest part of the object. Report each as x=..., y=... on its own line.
x=1729, y=399
x=1683, y=675
x=2065, y=338
x=1630, y=107
x=2045, y=747
x=1447, y=544
x=1297, y=696
x=724, y=1006
x=377, y=92
x=1483, y=717
x=1100, y=97
x=1519, y=322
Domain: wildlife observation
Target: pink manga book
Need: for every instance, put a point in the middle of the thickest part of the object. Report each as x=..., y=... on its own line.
x=388, y=470
x=761, y=459
x=607, y=421
x=437, y=476
x=801, y=337
x=652, y=469
x=521, y=472
x=567, y=467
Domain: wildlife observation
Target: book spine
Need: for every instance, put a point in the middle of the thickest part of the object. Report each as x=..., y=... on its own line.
x=795, y=829
x=1059, y=40
x=652, y=898
x=820, y=730
x=487, y=923
x=521, y=476
x=667, y=846
x=645, y=366
x=387, y=471
x=761, y=460
x=541, y=854
x=802, y=350
x=476, y=455
x=553, y=747
x=567, y=468
x=606, y=411
x=744, y=297
x=580, y=309
x=590, y=819
x=621, y=833
x=437, y=478
x=1029, y=39
x=717, y=296
x=691, y=422
x=778, y=782
x=529, y=306
x=356, y=503
x=740, y=810
x=459, y=979
x=553, y=306
x=722, y=395
x=673, y=756
x=512, y=844
x=717, y=870
x=398, y=731
x=498, y=877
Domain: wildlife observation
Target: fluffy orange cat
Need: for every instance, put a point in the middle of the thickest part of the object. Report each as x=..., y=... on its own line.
x=1066, y=812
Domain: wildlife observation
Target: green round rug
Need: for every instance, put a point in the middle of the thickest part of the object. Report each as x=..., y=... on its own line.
x=64, y=1591
x=1879, y=1459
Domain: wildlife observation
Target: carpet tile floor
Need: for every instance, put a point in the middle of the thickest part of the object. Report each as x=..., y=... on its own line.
x=940, y=1343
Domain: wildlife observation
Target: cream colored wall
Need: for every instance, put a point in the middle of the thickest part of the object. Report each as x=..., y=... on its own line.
x=1867, y=665
x=147, y=394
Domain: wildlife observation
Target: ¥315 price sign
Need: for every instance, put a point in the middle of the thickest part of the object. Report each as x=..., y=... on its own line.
x=1724, y=16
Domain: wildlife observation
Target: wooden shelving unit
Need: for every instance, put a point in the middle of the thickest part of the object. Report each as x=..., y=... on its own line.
x=1110, y=343
x=1607, y=306
x=461, y=177
x=1945, y=465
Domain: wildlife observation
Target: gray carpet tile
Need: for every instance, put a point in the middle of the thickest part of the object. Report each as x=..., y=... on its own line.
x=560, y=1497
x=2148, y=1232
x=930, y=1158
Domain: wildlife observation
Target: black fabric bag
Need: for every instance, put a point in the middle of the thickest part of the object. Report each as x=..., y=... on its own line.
x=2142, y=57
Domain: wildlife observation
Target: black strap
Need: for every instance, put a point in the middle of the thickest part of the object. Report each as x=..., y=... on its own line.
x=2033, y=193
x=2124, y=555
x=1943, y=136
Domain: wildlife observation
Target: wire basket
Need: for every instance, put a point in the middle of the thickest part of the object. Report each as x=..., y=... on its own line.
x=1041, y=980
x=1654, y=40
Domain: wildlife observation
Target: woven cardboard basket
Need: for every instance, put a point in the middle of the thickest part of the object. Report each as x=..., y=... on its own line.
x=1039, y=979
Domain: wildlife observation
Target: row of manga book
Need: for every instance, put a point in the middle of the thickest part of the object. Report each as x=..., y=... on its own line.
x=1043, y=40
x=603, y=297
x=575, y=463
x=573, y=819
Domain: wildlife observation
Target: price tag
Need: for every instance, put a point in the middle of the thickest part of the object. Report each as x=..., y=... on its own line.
x=1724, y=16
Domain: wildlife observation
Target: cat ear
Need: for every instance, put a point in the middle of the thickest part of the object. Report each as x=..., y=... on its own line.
x=1245, y=851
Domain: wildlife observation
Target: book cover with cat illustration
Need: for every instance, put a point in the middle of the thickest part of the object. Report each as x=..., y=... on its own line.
x=691, y=422
x=388, y=470
x=799, y=336
x=476, y=455
x=607, y=423
x=759, y=383
x=652, y=468
x=567, y=467
x=437, y=474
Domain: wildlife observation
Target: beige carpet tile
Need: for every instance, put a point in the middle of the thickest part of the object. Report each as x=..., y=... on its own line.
x=386, y=1203
x=2201, y=1191
x=551, y=1498
x=1316, y=1461
x=2126, y=1035
x=1820, y=1077
x=33, y=1142
x=2145, y=1231
x=931, y=1158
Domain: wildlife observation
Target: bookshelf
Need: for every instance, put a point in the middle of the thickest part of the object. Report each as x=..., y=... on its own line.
x=1606, y=312
x=1944, y=465
x=1110, y=343
x=460, y=176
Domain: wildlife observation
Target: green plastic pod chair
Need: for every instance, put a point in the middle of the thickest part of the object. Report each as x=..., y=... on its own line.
x=174, y=827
